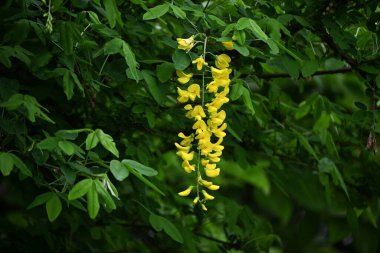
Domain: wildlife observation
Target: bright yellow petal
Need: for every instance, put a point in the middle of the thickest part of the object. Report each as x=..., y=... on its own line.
x=207, y=196
x=229, y=45
x=186, y=192
x=222, y=61
x=213, y=187
x=212, y=173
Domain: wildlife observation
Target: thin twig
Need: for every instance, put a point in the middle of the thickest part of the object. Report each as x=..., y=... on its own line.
x=318, y=73
x=212, y=238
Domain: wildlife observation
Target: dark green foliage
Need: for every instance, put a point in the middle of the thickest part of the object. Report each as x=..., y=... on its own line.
x=89, y=119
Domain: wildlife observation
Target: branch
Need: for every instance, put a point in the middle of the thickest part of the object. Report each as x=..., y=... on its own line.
x=318, y=73
x=212, y=239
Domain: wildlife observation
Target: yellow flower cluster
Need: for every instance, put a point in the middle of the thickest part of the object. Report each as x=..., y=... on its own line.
x=208, y=121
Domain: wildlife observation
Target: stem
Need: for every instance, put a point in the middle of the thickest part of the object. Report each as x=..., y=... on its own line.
x=318, y=73
x=104, y=63
x=203, y=103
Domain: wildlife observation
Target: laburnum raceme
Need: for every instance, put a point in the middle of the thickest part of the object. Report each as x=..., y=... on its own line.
x=201, y=149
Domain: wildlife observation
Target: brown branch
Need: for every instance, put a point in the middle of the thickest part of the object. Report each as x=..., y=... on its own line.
x=318, y=73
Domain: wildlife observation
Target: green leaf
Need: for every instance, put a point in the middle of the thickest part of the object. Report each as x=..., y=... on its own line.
x=53, y=207
x=80, y=189
x=181, y=60
x=118, y=170
x=112, y=12
x=273, y=46
x=256, y=30
x=117, y=45
x=247, y=100
x=21, y=166
x=156, y=12
x=142, y=169
x=80, y=167
x=240, y=37
x=242, y=23
x=105, y=195
x=41, y=199
x=14, y=102
x=94, y=17
x=145, y=181
x=92, y=201
x=153, y=87
x=325, y=165
x=6, y=164
x=237, y=90
x=241, y=49
x=129, y=57
x=165, y=71
x=302, y=110
x=322, y=123
x=178, y=12
x=305, y=143
x=67, y=134
x=92, y=140
x=159, y=223
x=291, y=66
x=111, y=188
x=259, y=179
x=217, y=20
x=233, y=133
x=107, y=142
x=150, y=117
x=113, y=46
x=66, y=37
x=309, y=68
x=67, y=147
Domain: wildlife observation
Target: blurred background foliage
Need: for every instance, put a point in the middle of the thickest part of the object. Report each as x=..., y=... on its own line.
x=89, y=119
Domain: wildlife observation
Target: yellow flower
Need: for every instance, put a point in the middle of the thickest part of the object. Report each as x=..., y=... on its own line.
x=185, y=44
x=222, y=61
x=210, y=166
x=205, y=183
x=225, y=91
x=194, y=90
x=188, y=167
x=186, y=192
x=204, y=208
x=200, y=62
x=183, y=77
x=191, y=93
x=185, y=156
x=188, y=107
x=200, y=124
x=217, y=103
x=187, y=140
x=212, y=173
x=216, y=154
x=221, y=76
x=218, y=147
x=214, y=160
x=212, y=87
x=207, y=196
x=182, y=148
x=213, y=187
x=196, y=113
x=219, y=132
x=195, y=201
x=183, y=95
x=229, y=45
x=204, y=162
x=217, y=119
